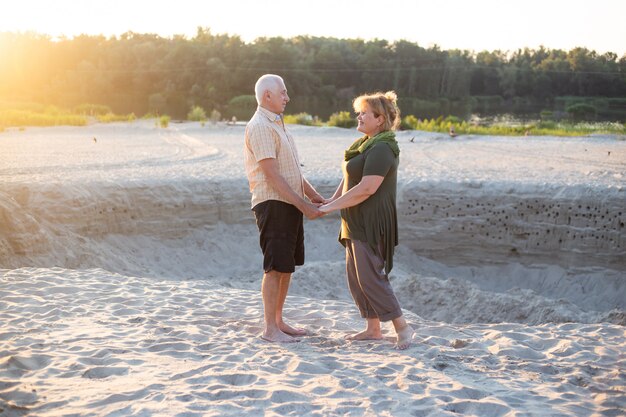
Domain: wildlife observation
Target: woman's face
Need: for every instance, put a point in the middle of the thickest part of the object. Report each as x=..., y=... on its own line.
x=368, y=122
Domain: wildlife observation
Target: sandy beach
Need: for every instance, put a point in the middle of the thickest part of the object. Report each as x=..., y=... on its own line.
x=130, y=277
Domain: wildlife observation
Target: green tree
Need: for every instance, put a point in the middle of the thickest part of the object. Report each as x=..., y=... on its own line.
x=242, y=107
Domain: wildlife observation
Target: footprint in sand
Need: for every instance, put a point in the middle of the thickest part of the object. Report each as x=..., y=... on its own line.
x=24, y=363
x=102, y=372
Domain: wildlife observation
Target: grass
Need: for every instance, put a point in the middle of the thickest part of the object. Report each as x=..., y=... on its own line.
x=302, y=119
x=31, y=114
x=502, y=127
x=110, y=118
x=22, y=114
x=197, y=114
x=578, y=129
x=92, y=109
x=342, y=119
x=50, y=117
x=541, y=128
x=164, y=121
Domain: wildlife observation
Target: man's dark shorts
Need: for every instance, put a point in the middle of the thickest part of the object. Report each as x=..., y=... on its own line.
x=282, y=235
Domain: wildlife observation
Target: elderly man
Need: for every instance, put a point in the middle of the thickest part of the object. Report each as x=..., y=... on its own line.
x=278, y=200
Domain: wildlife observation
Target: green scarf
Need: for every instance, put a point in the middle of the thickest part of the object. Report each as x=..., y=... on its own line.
x=361, y=145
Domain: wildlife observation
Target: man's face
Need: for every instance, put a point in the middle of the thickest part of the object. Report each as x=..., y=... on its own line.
x=276, y=98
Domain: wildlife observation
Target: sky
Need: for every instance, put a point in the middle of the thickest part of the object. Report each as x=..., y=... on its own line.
x=476, y=25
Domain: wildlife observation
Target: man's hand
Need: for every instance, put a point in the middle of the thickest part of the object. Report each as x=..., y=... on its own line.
x=311, y=212
x=317, y=199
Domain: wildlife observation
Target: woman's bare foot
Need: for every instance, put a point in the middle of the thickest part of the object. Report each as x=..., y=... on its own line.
x=405, y=337
x=366, y=335
x=292, y=331
x=278, y=336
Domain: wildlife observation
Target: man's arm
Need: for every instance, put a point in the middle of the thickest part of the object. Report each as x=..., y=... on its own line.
x=269, y=166
x=311, y=193
x=338, y=193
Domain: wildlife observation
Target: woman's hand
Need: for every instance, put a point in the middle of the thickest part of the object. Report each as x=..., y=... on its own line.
x=324, y=206
x=356, y=195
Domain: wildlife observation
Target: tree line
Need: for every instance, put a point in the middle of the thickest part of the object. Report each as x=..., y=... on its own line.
x=147, y=73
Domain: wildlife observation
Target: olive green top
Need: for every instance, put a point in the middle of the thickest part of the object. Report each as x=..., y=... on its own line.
x=375, y=218
x=361, y=145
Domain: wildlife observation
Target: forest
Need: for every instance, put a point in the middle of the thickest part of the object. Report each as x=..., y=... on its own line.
x=146, y=73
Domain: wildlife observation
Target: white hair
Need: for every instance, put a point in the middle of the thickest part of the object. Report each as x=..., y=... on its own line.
x=266, y=82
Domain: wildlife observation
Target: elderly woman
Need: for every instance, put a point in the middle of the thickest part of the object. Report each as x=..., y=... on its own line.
x=369, y=228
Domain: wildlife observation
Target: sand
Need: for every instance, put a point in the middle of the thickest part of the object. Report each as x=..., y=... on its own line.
x=130, y=275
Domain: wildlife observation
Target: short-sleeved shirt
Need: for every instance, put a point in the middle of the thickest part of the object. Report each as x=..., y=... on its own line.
x=376, y=217
x=267, y=137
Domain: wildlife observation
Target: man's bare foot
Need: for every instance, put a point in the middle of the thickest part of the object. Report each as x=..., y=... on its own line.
x=278, y=337
x=405, y=337
x=366, y=335
x=292, y=331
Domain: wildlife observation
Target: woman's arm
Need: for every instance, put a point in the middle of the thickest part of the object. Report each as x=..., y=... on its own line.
x=356, y=195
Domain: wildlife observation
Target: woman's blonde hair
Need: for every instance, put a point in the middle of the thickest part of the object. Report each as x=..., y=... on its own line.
x=381, y=104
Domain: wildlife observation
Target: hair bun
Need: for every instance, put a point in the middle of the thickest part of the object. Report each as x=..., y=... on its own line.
x=391, y=96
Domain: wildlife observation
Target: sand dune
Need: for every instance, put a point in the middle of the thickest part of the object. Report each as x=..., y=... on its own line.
x=130, y=279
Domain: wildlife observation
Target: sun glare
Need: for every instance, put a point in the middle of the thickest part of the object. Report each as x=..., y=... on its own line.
x=479, y=25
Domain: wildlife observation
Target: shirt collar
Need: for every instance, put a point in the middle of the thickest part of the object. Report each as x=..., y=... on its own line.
x=273, y=117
